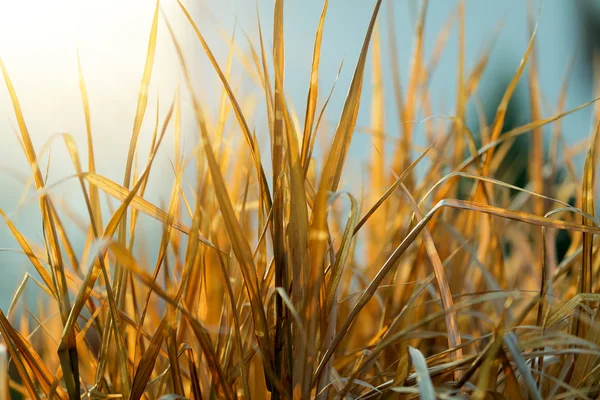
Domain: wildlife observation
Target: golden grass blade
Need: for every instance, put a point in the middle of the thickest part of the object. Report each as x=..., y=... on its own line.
x=195, y=382
x=377, y=164
x=238, y=330
x=459, y=142
x=240, y=246
x=402, y=154
x=30, y=387
x=311, y=145
x=30, y=357
x=395, y=65
x=537, y=141
x=503, y=107
x=120, y=193
x=173, y=358
x=586, y=269
x=313, y=88
x=147, y=362
x=454, y=339
x=424, y=382
x=128, y=262
x=142, y=101
x=236, y=108
x=390, y=190
x=298, y=236
x=27, y=250
x=94, y=197
x=368, y=293
x=342, y=255
x=281, y=275
x=343, y=134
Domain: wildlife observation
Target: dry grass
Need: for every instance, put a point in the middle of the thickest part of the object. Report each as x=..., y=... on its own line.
x=283, y=286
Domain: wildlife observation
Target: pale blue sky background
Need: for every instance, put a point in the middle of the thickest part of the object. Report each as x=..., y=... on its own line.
x=38, y=41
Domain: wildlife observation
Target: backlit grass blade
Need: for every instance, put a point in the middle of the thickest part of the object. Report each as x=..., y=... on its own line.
x=127, y=260
x=94, y=198
x=240, y=246
x=343, y=134
x=503, y=107
x=236, y=107
x=409, y=106
x=279, y=255
x=138, y=203
x=313, y=88
x=49, y=231
x=147, y=362
x=27, y=250
x=586, y=269
x=142, y=101
x=30, y=357
x=454, y=339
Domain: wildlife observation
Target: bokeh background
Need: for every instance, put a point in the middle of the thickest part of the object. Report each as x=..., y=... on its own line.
x=39, y=42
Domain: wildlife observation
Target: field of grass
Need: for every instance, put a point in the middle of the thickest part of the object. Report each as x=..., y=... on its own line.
x=270, y=282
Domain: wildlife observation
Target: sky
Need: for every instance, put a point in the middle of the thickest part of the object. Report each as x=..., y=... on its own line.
x=39, y=41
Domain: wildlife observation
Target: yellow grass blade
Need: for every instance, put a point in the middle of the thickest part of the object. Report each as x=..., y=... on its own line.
x=454, y=339
x=584, y=362
x=49, y=230
x=138, y=203
x=236, y=107
x=279, y=255
x=313, y=88
x=502, y=108
x=127, y=260
x=94, y=198
x=27, y=354
x=146, y=365
x=27, y=250
x=142, y=101
x=343, y=134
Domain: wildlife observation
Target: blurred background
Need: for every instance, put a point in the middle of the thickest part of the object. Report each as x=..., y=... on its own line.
x=39, y=42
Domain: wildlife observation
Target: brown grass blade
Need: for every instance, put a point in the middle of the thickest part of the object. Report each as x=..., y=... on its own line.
x=298, y=234
x=280, y=259
x=454, y=339
x=147, y=362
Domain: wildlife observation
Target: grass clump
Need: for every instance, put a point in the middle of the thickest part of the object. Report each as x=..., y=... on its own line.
x=272, y=282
